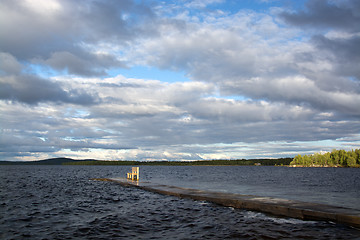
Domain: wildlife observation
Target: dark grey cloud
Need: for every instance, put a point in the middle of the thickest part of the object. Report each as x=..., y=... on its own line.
x=344, y=53
x=84, y=64
x=31, y=89
x=344, y=15
x=61, y=34
x=18, y=85
x=9, y=64
x=344, y=49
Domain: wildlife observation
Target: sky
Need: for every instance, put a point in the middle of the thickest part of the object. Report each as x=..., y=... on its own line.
x=178, y=80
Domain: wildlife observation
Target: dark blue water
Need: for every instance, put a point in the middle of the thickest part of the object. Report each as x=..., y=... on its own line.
x=60, y=202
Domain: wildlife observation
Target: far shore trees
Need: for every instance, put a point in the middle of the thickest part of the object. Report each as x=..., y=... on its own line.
x=335, y=158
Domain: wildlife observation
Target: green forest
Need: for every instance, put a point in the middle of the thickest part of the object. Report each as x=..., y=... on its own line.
x=335, y=158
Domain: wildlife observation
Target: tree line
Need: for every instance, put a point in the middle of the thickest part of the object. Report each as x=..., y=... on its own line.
x=238, y=162
x=335, y=158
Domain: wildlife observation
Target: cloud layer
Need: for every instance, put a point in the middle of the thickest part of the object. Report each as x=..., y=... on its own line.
x=261, y=83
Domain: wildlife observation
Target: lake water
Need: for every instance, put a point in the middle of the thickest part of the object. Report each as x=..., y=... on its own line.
x=333, y=186
x=61, y=202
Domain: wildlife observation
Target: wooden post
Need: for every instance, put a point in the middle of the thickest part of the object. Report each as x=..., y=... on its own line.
x=134, y=174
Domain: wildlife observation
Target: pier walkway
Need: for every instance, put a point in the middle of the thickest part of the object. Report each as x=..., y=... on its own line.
x=276, y=206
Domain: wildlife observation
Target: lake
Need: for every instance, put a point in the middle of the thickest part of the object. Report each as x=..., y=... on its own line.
x=61, y=202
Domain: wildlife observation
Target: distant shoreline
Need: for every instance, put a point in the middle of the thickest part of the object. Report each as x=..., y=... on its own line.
x=334, y=159
x=92, y=162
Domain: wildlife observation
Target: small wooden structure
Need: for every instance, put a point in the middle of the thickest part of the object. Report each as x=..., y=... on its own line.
x=134, y=174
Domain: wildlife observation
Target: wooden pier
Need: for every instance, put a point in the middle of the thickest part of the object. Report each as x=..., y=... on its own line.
x=276, y=206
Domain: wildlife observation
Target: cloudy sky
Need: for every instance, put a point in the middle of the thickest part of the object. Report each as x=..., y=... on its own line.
x=178, y=80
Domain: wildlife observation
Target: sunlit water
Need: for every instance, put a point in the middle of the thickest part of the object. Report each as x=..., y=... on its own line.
x=61, y=202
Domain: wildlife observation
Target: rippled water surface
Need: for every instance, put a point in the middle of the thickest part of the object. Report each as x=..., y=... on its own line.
x=333, y=186
x=61, y=202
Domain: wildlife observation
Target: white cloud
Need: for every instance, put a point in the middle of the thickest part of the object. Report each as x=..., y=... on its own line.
x=44, y=7
x=201, y=3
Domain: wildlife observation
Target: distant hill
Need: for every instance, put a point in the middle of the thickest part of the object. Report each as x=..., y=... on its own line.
x=51, y=161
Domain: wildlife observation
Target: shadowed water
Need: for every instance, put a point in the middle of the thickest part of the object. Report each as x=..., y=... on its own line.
x=60, y=202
